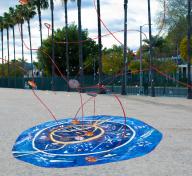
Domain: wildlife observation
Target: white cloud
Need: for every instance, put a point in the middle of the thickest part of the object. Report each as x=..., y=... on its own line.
x=112, y=15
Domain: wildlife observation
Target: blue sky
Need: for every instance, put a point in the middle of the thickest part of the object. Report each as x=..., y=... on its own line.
x=111, y=13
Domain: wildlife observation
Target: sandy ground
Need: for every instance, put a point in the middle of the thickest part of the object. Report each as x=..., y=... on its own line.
x=20, y=110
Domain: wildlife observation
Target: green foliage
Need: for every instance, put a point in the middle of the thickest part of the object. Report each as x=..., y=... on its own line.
x=166, y=66
x=89, y=49
x=173, y=12
x=174, y=18
x=29, y=11
x=161, y=47
x=16, y=68
x=112, y=60
x=41, y=4
x=177, y=32
x=184, y=50
x=135, y=66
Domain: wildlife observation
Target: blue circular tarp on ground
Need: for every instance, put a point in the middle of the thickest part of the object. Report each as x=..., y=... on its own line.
x=98, y=140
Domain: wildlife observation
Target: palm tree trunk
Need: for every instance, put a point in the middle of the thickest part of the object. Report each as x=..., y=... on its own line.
x=22, y=51
x=41, y=37
x=189, y=95
x=150, y=52
x=2, y=54
x=124, y=76
x=53, y=44
x=8, y=57
x=66, y=43
x=14, y=56
x=99, y=41
x=80, y=44
x=30, y=45
x=102, y=91
x=40, y=22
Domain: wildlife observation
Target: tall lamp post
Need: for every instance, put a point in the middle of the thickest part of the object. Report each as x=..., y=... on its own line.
x=124, y=76
x=141, y=58
x=189, y=96
x=150, y=52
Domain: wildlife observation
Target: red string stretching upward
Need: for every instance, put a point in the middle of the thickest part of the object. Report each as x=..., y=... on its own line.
x=96, y=86
x=40, y=100
x=83, y=103
x=33, y=88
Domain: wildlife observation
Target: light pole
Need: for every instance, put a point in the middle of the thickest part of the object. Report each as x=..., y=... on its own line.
x=189, y=96
x=141, y=56
x=150, y=52
x=124, y=76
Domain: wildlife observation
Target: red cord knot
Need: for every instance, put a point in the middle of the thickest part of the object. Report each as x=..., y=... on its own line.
x=32, y=84
x=23, y=2
x=75, y=122
x=91, y=159
x=89, y=133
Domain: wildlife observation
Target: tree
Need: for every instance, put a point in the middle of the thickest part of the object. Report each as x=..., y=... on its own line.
x=16, y=68
x=167, y=66
x=7, y=22
x=177, y=33
x=40, y=4
x=20, y=20
x=89, y=48
x=80, y=43
x=183, y=48
x=112, y=60
x=52, y=44
x=160, y=47
x=112, y=63
x=173, y=12
x=2, y=54
x=13, y=23
x=29, y=12
x=66, y=38
x=134, y=66
x=99, y=41
x=124, y=76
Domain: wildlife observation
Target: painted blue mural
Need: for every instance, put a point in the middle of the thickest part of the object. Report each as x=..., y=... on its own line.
x=95, y=140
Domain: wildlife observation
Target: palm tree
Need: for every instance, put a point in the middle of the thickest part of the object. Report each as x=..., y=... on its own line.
x=189, y=95
x=29, y=14
x=66, y=39
x=20, y=20
x=99, y=42
x=7, y=23
x=80, y=43
x=157, y=43
x=124, y=76
x=13, y=23
x=40, y=4
x=1, y=28
x=52, y=43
